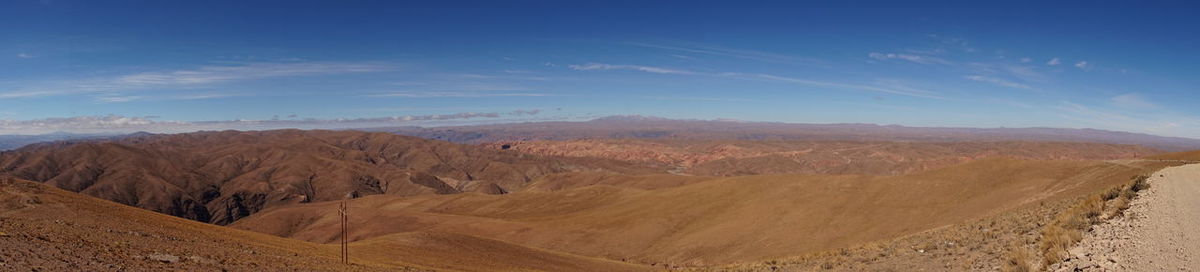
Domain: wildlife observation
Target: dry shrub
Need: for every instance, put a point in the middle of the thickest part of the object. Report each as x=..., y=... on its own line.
x=1018, y=260
x=1082, y=216
x=1055, y=242
x=1116, y=206
x=1113, y=193
x=1119, y=205
x=1128, y=193
x=1069, y=226
x=1140, y=183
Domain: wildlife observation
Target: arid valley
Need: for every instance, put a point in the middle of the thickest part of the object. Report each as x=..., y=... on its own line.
x=598, y=136
x=269, y=199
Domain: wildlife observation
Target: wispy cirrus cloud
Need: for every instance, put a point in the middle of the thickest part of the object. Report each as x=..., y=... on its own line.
x=24, y=94
x=648, y=69
x=200, y=96
x=757, y=76
x=1161, y=123
x=909, y=57
x=457, y=94
x=25, y=56
x=998, y=81
x=186, y=79
x=1132, y=101
x=1054, y=62
x=1026, y=73
x=731, y=52
x=118, y=98
x=906, y=91
x=128, y=124
x=246, y=71
x=694, y=98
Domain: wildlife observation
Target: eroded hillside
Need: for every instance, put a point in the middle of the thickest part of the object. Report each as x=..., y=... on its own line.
x=220, y=177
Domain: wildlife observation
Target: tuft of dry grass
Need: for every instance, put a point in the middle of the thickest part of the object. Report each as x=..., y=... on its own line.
x=1068, y=227
x=1017, y=260
x=1140, y=183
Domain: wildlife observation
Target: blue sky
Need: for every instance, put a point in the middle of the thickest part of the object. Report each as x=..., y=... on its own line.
x=170, y=66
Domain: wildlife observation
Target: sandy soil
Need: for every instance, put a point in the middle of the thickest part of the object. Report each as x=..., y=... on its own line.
x=1159, y=232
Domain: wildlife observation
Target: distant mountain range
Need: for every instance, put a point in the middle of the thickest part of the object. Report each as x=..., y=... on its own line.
x=9, y=142
x=643, y=127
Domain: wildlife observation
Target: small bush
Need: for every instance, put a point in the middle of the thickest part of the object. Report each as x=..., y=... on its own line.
x=1082, y=216
x=1128, y=192
x=1113, y=193
x=1140, y=183
x=1070, y=225
x=1055, y=242
x=1120, y=205
x=1018, y=260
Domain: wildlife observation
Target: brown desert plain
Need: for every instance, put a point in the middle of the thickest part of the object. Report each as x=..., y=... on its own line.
x=267, y=200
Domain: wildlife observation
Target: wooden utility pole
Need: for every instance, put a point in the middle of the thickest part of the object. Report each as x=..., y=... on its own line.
x=345, y=224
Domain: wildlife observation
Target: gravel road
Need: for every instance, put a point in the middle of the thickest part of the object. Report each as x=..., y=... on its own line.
x=1160, y=231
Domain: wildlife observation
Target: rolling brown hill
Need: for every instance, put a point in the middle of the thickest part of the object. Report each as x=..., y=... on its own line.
x=746, y=157
x=220, y=177
x=438, y=205
x=643, y=127
x=707, y=221
x=43, y=228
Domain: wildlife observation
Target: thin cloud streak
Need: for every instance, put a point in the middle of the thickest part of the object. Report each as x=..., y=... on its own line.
x=198, y=77
x=27, y=94
x=117, y=98
x=1162, y=124
x=127, y=124
x=729, y=52
x=217, y=74
x=909, y=57
x=1000, y=82
x=648, y=69
x=658, y=70
x=911, y=92
x=456, y=94
x=1132, y=101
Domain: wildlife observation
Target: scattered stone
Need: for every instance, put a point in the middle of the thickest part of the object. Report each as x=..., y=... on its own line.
x=198, y=259
x=165, y=258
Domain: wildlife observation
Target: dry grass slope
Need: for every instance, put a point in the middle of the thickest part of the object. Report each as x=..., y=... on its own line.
x=48, y=229
x=1070, y=225
x=715, y=221
x=45, y=228
x=745, y=157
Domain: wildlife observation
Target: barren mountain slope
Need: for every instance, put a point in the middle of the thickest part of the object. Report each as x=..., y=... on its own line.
x=751, y=157
x=713, y=221
x=46, y=228
x=220, y=177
